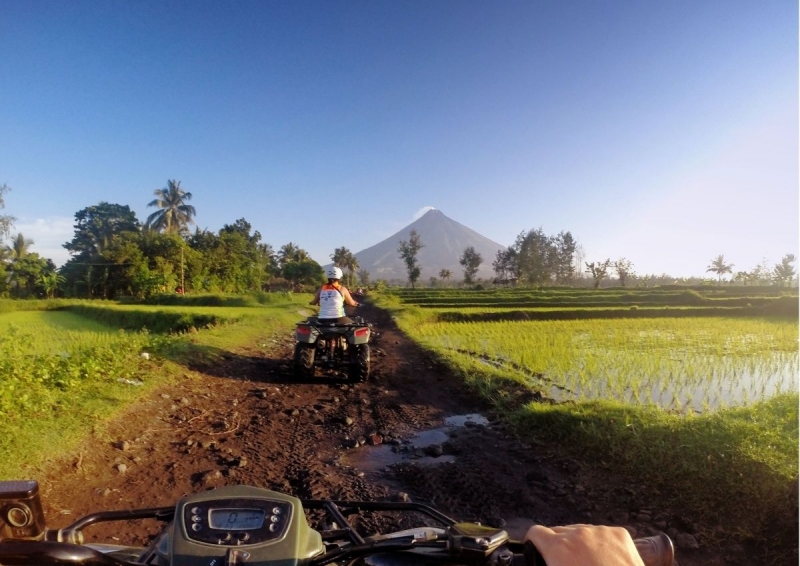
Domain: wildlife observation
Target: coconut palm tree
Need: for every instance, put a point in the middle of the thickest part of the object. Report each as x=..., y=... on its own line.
x=19, y=247
x=345, y=259
x=719, y=267
x=173, y=215
x=291, y=253
x=14, y=253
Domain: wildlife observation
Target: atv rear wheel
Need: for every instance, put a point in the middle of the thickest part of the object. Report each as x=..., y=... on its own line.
x=304, y=359
x=359, y=363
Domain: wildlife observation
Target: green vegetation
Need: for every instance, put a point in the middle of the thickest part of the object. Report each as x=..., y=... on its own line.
x=677, y=363
x=736, y=467
x=68, y=365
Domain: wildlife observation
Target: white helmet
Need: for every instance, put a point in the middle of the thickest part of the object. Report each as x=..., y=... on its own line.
x=334, y=273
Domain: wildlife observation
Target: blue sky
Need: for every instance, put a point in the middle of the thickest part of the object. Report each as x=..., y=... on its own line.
x=664, y=132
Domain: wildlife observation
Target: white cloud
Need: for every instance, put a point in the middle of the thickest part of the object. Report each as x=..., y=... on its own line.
x=418, y=214
x=49, y=236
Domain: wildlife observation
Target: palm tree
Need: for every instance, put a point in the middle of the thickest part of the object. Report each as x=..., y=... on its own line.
x=19, y=247
x=344, y=258
x=16, y=252
x=719, y=267
x=445, y=274
x=291, y=253
x=173, y=215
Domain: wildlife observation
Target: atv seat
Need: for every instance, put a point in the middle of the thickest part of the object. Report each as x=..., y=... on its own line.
x=344, y=321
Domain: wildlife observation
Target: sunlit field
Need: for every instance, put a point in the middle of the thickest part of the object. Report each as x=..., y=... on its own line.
x=677, y=363
x=46, y=353
x=46, y=332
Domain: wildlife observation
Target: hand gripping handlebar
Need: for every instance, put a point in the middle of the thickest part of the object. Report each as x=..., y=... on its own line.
x=656, y=550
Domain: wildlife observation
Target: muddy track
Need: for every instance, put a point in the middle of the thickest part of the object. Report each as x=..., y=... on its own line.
x=248, y=421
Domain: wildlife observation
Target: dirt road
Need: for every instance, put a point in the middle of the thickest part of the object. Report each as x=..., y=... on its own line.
x=248, y=421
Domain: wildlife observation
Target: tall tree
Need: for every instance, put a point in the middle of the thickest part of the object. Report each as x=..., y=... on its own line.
x=505, y=265
x=345, y=259
x=18, y=248
x=719, y=267
x=784, y=272
x=471, y=261
x=445, y=274
x=565, y=247
x=16, y=252
x=536, y=256
x=598, y=271
x=27, y=270
x=291, y=253
x=173, y=215
x=6, y=221
x=624, y=269
x=408, y=250
x=95, y=227
x=363, y=277
x=303, y=272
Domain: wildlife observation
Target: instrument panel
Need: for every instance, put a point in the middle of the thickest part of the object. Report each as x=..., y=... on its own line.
x=236, y=521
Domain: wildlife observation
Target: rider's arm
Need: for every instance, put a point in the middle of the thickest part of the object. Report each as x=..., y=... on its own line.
x=584, y=545
x=347, y=298
x=315, y=300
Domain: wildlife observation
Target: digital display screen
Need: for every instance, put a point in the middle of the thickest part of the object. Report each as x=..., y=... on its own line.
x=236, y=519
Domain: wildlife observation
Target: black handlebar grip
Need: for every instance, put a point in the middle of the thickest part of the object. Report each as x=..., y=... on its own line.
x=532, y=555
x=655, y=551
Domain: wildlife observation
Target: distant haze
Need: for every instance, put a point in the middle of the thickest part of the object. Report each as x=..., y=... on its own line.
x=444, y=240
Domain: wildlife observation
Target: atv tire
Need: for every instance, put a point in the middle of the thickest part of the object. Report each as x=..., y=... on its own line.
x=359, y=363
x=304, y=360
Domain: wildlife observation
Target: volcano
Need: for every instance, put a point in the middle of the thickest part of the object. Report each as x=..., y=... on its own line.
x=444, y=240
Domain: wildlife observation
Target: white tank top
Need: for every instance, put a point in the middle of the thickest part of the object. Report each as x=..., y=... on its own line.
x=331, y=302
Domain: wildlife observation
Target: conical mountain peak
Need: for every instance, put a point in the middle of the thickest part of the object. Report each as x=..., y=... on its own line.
x=444, y=241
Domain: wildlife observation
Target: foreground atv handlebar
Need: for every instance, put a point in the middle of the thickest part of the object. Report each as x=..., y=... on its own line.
x=243, y=524
x=655, y=551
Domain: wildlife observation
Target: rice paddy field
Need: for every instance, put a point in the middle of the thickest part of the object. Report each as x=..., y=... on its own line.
x=742, y=349
x=691, y=394
x=677, y=363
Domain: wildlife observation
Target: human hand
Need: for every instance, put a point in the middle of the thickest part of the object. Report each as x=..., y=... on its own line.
x=584, y=545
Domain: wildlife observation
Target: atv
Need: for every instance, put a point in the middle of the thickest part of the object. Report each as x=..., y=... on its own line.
x=338, y=347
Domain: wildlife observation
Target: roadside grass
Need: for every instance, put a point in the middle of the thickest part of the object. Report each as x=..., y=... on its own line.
x=63, y=376
x=736, y=468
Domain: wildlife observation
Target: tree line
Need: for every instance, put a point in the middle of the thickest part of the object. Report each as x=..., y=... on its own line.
x=538, y=259
x=113, y=255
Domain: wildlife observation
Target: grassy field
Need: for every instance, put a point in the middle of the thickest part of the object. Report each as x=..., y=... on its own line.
x=64, y=371
x=700, y=413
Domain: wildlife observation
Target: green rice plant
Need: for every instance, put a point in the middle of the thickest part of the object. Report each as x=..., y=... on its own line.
x=693, y=358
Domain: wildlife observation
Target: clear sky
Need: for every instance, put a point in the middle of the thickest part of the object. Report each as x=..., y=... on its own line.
x=664, y=132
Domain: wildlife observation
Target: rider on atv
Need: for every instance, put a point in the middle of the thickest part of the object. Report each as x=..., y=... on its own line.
x=331, y=298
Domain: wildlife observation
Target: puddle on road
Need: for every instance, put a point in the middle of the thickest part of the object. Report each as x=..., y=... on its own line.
x=412, y=450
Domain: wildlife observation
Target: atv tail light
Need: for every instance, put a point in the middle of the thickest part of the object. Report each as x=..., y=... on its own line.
x=362, y=332
x=305, y=330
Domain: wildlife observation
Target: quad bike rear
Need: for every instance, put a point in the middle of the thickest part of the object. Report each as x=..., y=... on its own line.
x=331, y=346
